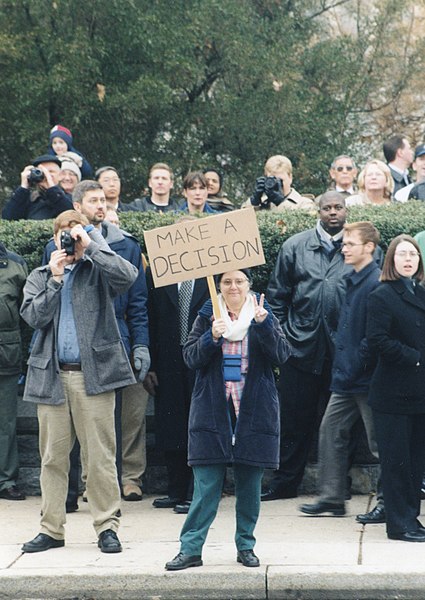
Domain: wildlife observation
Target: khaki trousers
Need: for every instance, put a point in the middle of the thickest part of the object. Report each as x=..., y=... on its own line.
x=91, y=419
x=133, y=425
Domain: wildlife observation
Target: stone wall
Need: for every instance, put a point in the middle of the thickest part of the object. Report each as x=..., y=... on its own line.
x=364, y=472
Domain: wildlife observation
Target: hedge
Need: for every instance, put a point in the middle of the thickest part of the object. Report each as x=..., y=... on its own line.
x=28, y=238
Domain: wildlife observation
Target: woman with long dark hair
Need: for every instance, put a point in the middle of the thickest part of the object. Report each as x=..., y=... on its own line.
x=396, y=336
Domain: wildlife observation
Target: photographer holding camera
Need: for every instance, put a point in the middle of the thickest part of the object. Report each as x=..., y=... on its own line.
x=39, y=196
x=273, y=191
x=77, y=362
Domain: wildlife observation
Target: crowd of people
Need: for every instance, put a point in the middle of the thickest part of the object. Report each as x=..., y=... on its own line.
x=342, y=331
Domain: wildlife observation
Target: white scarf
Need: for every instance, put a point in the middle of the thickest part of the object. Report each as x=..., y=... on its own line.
x=237, y=330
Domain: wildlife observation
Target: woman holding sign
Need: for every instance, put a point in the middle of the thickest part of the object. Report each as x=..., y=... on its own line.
x=234, y=413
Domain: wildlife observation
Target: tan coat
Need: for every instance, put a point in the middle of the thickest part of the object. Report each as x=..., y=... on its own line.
x=293, y=201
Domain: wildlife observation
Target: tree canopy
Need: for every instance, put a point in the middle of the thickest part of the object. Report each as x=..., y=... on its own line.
x=200, y=83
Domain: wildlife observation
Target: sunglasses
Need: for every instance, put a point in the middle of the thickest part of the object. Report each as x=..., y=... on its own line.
x=339, y=169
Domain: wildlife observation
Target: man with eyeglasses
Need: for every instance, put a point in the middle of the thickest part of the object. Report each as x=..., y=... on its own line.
x=343, y=173
x=352, y=369
x=110, y=181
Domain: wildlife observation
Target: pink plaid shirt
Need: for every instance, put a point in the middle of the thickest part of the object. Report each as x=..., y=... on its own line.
x=234, y=389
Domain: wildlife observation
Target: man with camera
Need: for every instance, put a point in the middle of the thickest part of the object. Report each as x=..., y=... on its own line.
x=77, y=362
x=39, y=196
x=131, y=314
x=274, y=190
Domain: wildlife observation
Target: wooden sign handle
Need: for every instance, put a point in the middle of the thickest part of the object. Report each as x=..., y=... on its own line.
x=214, y=297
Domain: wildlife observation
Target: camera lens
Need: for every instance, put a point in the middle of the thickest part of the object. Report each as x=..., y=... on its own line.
x=35, y=176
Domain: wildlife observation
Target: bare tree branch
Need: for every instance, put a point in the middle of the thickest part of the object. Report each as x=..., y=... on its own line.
x=326, y=8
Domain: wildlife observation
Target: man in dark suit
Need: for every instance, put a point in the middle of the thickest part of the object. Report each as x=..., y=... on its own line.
x=399, y=156
x=172, y=310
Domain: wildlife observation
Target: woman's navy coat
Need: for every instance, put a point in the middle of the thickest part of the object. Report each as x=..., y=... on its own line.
x=257, y=432
x=396, y=335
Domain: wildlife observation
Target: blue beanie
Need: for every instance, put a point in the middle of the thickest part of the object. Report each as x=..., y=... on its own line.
x=59, y=131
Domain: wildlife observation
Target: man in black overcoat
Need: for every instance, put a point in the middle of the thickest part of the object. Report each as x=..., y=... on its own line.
x=171, y=382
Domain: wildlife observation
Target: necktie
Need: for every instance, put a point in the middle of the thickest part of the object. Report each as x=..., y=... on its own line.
x=185, y=296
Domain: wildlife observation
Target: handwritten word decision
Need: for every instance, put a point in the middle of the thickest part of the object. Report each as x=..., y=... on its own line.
x=206, y=246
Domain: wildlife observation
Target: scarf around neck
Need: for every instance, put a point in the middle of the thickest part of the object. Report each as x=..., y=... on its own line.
x=237, y=330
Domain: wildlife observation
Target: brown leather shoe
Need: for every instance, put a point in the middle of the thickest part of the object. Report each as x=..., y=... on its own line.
x=131, y=492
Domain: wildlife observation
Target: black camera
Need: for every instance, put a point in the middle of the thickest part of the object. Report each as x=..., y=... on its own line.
x=272, y=184
x=35, y=176
x=67, y=243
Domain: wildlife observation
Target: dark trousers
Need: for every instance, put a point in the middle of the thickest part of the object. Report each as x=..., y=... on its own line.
x=401, y=445
x=180, y=477
x=342, y=412
x=301, y=395
x=9, y=462
x=206, y=498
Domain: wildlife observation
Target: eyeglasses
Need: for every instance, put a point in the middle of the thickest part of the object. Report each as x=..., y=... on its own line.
x=351, y=244
x=405, y=253
x=229, y=282
x=344, y=168
x=111, y=180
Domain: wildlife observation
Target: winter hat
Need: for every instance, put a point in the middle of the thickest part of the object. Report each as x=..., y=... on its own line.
x=69, y=165
x=73, y=157
x=45, y=158
x=61, y=132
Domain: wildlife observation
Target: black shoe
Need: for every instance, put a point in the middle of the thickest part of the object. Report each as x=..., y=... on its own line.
x=109, y=542
x=248, y=558
x=408, y=536
x=271, y=494
x=41, y=543
x=12, y=493
x=167, y=502
x=377, y=515
x=320, y=508
x=70, y=508
x=182, y=509
x=183, y=561
x=348, y=489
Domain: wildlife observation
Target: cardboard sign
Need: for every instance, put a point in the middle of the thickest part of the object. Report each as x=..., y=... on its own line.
x=202, y=247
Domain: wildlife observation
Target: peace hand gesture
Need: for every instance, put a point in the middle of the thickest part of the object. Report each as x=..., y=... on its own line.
x=260, y=313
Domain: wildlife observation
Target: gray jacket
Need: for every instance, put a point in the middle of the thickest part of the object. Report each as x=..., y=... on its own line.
x=101, y=276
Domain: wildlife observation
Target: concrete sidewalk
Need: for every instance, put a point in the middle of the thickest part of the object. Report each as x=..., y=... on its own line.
x=301, y=557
